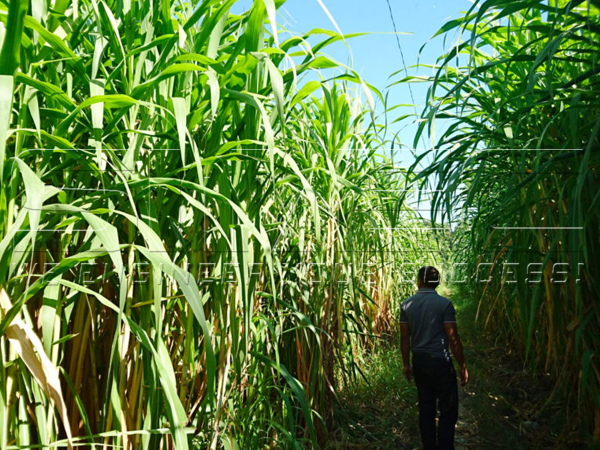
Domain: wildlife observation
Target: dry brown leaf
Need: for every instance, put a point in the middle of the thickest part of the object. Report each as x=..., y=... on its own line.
x=29, y=347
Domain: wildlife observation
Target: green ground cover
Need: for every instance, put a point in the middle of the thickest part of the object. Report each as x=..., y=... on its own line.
x=503, y=406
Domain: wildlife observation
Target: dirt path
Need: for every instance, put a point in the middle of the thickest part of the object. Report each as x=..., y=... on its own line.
x=499, y=408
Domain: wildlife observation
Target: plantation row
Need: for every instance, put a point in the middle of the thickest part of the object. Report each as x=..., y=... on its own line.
x=521, y=92
x=106, y=241
x=109, y=332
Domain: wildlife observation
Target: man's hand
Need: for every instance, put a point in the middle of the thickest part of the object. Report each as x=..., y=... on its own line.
x=408, y=373
x=464, y=375
x=457, y=350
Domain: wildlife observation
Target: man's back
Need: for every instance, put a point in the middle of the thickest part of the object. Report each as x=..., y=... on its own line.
x=426, y=312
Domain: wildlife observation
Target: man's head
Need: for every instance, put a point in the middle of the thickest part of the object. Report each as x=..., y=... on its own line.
x=429, y=277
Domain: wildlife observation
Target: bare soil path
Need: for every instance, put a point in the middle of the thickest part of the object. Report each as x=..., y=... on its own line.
x=501, y=407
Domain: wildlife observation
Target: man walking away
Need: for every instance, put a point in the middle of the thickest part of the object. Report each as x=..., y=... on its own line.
x=427, y=321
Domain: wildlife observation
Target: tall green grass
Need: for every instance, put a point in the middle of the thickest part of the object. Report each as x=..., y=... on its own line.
x=516, y=105
x=193, y=241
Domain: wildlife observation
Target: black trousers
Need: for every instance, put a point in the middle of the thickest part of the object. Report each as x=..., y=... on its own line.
x=435, y=378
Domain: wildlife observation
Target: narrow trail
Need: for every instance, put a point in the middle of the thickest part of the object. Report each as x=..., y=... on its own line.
x=499, y=407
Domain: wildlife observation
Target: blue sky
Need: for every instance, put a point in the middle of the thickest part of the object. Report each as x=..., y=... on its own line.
x=376, y=56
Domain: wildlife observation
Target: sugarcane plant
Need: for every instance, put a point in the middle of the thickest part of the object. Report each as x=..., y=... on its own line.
x=198, y=240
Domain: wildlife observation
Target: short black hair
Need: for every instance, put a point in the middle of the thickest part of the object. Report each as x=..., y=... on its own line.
x=429, y=276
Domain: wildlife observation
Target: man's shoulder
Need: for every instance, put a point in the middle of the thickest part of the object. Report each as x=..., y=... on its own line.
x=445, y=304
x=439, y=302
x=445, y=299
x=408, y=300
x=442, y=299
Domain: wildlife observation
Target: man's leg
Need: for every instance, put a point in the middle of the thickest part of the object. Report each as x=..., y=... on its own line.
x=427, y=399
x=448, y=403
x=427, y=417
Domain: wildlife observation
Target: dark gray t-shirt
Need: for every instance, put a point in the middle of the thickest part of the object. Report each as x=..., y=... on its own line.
x=426, y=312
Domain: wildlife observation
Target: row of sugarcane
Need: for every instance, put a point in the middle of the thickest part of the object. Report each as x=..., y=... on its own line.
x=517, y=169
x=198, y=237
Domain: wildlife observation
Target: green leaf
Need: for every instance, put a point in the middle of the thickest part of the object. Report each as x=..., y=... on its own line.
x=10, y=54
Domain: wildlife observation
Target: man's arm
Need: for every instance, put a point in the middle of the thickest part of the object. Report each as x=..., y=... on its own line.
x=405, y=347
x=457, y=350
